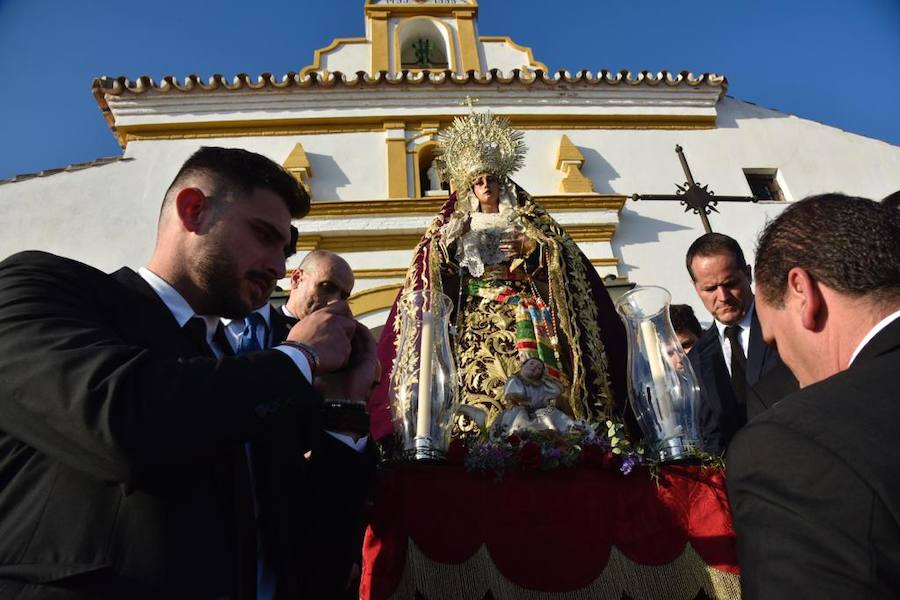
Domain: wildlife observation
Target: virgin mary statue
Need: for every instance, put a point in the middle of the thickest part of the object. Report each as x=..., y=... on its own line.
x=520, y=286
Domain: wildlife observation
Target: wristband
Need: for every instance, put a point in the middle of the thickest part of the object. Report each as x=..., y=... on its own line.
x=311, y=355
x=345, y=415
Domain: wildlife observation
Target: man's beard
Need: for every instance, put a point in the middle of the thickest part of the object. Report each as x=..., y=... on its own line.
x=218, y=275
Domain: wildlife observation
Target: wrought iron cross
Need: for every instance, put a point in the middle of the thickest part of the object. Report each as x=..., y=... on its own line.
x=423, y=49
x=693, y=196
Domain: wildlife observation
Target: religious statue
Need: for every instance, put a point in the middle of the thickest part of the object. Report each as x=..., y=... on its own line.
x=520, y=285
x=434, y=178
x=531, y=396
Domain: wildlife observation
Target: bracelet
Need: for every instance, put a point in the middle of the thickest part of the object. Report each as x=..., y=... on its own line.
x=311, y=355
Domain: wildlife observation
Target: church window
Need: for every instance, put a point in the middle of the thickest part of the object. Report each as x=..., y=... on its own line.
x=764, y=184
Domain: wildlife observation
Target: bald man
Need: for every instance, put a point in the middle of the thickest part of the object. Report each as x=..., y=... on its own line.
x=321, y=279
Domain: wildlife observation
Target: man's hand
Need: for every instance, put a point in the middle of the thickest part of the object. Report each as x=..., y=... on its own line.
x=355, y=381
x=329, y=331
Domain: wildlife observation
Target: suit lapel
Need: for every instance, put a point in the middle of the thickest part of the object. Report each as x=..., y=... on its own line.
x=711, y=358
x=759, y=353
x=280, y=324
x=147, y=309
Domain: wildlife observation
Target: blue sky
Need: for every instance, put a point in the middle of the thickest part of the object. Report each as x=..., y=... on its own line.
x=833, y=61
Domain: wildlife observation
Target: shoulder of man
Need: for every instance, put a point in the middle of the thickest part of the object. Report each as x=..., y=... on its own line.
x=39, y=259
x=35, y=267
x=854, y=415
x=708, y=341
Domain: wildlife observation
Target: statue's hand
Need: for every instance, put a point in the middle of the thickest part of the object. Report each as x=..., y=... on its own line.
x=516, y=246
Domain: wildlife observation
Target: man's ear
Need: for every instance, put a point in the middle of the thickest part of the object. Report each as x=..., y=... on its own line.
x=295, y=278
x=191, y=204
x=804, y=290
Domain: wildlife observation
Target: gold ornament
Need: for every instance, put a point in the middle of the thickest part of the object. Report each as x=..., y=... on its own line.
x=476, y=144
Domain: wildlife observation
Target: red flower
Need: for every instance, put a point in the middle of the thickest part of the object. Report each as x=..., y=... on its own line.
x=457, y=451
x=514, y=440
x=610, y=461
x=530, y=456
x=592, y=455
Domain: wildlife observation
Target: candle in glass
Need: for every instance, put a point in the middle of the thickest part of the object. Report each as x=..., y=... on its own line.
x=423, y=416
x=658, y=373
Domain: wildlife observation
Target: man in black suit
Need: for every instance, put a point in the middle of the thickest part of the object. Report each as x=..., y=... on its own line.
x=813, y=482
x=335, y=484
x=731, y=355
x=123, y=470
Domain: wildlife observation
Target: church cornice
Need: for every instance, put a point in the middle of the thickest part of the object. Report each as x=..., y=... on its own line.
x=120, y=86
x=172, y=108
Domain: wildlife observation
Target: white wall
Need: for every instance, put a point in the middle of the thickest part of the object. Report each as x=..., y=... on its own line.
x=348, y=58
x=106, y=215
x=500, y=55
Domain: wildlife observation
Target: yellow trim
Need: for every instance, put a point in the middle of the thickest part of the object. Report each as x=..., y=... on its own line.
x=431, y=10
x=319, y=52
x=397, y=63
x=374, y=298
x=297, y=164
x=430, y=206
x=534, y=64
x=605, y=262
x=567, y=151
x=591, y=233
x=408, y=241
x=378, y=273
x=330, y=125
x=359, y=243
x=468, y=42
x=378, y=21
x=397, y=183
x=570, y=160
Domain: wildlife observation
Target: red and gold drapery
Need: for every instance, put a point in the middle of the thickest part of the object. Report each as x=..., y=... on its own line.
x=441, y=532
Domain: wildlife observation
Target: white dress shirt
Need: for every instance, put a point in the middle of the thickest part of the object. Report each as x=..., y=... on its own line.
x=873, y=332
x=745, y=324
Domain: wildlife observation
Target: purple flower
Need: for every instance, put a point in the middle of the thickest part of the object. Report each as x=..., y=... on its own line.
x=628, y=463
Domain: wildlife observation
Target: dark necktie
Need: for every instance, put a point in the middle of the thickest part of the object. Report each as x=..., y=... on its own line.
x=738, y=371
x=195, y=330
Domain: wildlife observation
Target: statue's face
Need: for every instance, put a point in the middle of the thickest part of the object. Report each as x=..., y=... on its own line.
x=532, y=369
x=487, y=190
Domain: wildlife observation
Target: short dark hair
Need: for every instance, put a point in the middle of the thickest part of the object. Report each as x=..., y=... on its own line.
x=892, y=200
x=235, y=169
x=291, y=248
x=850, y=244
x=713, y=244
x=684, y=319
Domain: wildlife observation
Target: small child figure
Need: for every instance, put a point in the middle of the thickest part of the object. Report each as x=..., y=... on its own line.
x=531, y=395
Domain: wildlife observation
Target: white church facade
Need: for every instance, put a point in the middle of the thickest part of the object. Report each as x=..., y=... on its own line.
x=357, y=127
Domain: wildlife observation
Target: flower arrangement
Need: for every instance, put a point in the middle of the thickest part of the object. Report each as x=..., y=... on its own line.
x=596, y=445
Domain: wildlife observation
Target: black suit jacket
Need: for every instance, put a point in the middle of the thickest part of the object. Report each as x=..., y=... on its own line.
x=117, y=437
x=814, y=487
x=718, y=415
x=313, y=528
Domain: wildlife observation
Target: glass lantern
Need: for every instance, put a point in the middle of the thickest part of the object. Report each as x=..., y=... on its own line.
x=662, y=385
x=424, y=389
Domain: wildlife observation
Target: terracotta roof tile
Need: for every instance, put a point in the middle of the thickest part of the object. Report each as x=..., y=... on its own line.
x=99, y=162
x=194, y=83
